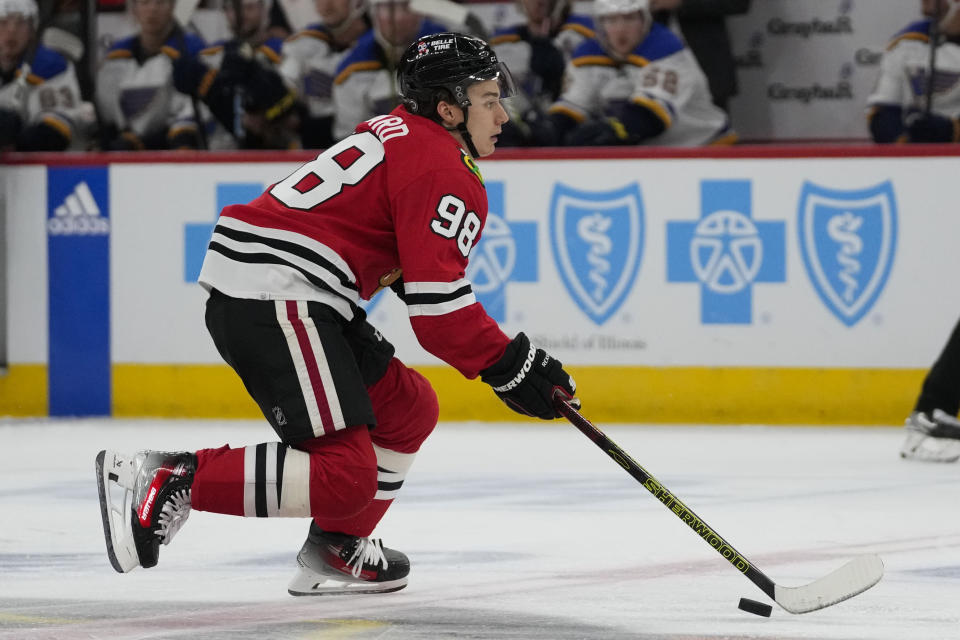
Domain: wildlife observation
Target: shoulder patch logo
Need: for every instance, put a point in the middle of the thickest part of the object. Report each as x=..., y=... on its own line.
x=471, y=165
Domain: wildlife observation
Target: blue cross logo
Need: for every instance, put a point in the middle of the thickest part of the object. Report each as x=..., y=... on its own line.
x=507, y=252
x=196, y=235
x=726, y=251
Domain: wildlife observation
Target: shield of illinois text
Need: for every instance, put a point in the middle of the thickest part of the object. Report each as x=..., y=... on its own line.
x=848, y=240
x=597, y=239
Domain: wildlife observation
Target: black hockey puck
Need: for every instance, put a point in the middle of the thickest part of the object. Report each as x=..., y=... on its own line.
x=756, y=608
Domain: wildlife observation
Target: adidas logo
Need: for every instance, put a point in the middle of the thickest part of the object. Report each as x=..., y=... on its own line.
x=78, y=215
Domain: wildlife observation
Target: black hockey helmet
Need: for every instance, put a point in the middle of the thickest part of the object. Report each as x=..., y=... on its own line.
x=441, y=66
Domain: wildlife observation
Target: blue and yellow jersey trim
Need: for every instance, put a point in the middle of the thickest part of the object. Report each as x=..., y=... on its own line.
x=659, y=43
x=121, y=49
x=574, y=114
x=917, y=31
x=656, y=108
x=58, y=124
x=46, y=64
x=346, y=72
x=316, y=31
x=125, y=47
x=365, y=56
x=581, y=24
x=270, y=49
x=504, y=36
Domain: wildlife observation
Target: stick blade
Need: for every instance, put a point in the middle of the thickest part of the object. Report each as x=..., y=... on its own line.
x=853, y=578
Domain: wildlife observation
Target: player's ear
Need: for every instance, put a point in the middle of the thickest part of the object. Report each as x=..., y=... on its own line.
x=449, y=114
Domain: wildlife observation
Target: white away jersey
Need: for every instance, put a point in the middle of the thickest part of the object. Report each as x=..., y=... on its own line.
x=46, y=90
x=903, y=73
x=661, y=75
x=137, y=94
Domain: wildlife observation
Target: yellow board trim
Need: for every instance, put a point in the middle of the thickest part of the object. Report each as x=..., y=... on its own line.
x=23, y=391
x=684, y=395
x=707, y=395
x=180, y=391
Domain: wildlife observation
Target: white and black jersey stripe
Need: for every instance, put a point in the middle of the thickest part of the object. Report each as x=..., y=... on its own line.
x=263, y=479
x=437, y=298
x=388, y=483
x=392, y=468
x=248, y=261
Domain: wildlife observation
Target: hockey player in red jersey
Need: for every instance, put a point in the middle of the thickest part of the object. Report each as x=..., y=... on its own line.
x=399, y=203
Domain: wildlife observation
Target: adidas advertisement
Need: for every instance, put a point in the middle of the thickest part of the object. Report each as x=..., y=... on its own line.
x=78, y=259
x=79, y=213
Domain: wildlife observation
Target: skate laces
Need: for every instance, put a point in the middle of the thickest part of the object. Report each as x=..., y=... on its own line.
x=172, y=515
x=367, y=551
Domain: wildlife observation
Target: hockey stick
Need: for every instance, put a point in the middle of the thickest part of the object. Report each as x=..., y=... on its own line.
x=855, y=577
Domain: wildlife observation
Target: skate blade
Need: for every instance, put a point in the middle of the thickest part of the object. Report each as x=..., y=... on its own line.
x=117, y=528
x=310, y=583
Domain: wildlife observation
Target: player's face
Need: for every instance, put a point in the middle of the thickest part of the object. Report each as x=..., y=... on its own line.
x=536, y=10
x=487, y=116
x=623, y=32
x=951, y=24
x=251, y=16
x=154, y=16
x=929, y=7
x=396, y=23
x=333, y=12
x=15, y=32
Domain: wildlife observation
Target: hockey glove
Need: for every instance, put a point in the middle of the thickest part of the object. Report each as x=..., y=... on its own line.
x=931, y=128
x=189, y=74
x=42, y=136
x=11, y=124
x=599, y=133
x=264, y=91
x=525, y=378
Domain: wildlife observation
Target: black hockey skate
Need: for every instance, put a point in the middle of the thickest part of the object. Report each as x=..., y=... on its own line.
x=336, y=563
x=144, y=500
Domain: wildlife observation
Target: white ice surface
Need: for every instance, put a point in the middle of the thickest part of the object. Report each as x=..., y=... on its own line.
x=513, y=531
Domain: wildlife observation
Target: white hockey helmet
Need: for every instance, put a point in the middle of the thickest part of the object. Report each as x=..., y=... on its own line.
x=617, y=7
x=25, y=8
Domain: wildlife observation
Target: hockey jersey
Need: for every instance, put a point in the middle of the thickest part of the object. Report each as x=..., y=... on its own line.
x=365, y=84
x=46, y=90
x=903, y=73
x=310, y=60
x=135, y=93
x=660, y=75
x=397, y=196
x=531, y=60
x=267, y=54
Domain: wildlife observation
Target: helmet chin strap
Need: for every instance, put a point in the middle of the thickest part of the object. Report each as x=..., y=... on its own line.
x=467, y=138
